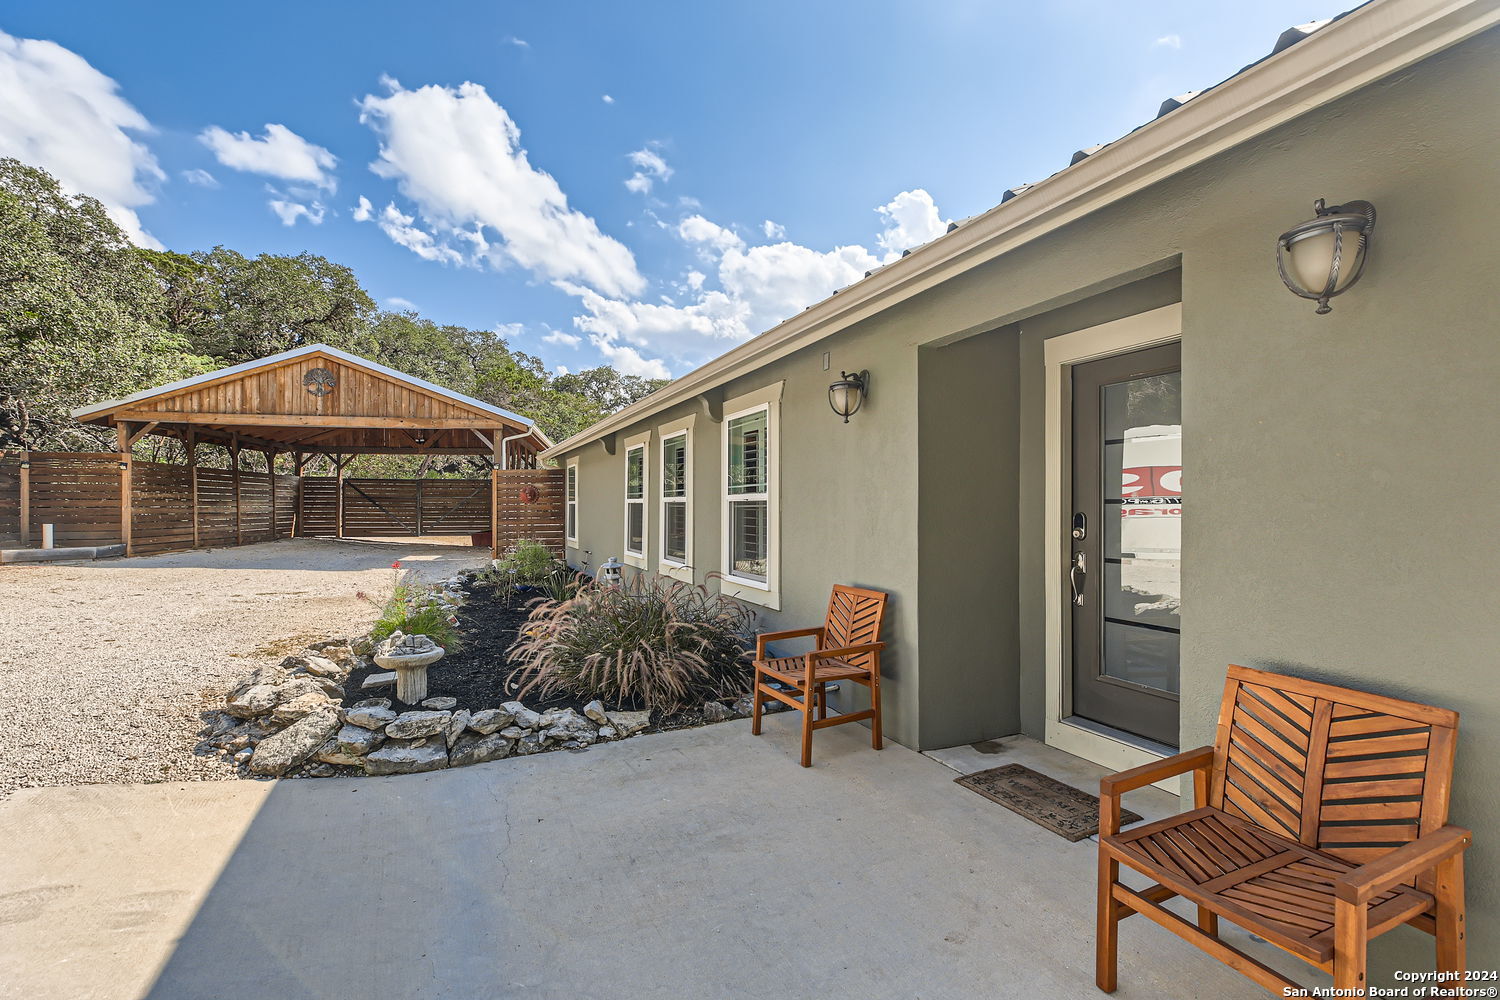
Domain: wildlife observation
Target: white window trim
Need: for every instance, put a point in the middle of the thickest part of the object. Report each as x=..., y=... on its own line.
x=1156, y=326
x=641, y=442
x=677, y=569
x=767, y=594
x=572, y=472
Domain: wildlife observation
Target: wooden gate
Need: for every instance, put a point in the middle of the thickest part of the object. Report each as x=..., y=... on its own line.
x=78, y=494
x=393, y=508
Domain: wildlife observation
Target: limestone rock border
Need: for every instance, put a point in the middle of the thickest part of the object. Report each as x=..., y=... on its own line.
x=288, y=721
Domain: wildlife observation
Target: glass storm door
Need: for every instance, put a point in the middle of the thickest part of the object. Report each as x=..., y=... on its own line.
x=1124, y=575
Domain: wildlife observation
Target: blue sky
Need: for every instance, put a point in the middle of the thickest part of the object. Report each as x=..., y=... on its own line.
x=642, y=184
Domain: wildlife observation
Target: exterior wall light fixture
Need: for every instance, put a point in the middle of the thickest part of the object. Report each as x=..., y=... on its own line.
x=1324, y=256
x=848, y=393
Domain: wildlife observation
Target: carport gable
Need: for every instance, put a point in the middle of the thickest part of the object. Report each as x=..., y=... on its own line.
x=319, y=399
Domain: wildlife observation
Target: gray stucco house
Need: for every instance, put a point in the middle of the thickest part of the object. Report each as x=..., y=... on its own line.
x=1068, y=359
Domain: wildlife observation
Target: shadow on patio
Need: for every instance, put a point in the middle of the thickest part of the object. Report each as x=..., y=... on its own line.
x=701, y=863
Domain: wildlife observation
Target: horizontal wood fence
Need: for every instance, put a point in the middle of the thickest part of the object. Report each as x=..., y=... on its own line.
x=10, y=502
x=529, y=505
x=174, y=507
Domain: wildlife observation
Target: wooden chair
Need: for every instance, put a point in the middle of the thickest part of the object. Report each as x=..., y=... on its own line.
x=848, y=650
x=1320, y=822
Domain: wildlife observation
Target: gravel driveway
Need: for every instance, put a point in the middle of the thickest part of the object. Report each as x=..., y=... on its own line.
x=105, y=667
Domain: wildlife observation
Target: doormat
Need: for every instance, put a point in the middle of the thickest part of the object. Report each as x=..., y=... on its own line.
x=1067, y=811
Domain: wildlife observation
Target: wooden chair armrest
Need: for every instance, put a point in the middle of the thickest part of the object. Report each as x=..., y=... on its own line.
x=831, y=654
x=1115, y=785
x=796, y=633
x=1401, y=865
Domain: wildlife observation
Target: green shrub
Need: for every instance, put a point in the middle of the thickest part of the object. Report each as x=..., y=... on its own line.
x=652, y=642
x=528, y=563
x=412, y=609
x=562, y=585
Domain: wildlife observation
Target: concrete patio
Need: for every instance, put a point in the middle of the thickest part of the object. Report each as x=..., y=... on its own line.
x=701, y=863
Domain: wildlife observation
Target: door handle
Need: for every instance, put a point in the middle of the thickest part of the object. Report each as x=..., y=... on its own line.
x=1077, y=572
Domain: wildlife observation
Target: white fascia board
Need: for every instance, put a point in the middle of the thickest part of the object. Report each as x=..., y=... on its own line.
x=1369, y=43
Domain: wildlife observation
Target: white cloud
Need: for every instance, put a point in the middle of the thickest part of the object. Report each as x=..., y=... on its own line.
x=201, y=178
x=457, y=154
x=59, y=113
x=708, y=235
x=563, y=339
x=290, y=211
x=628, y=361
x=279, y=153
x=560, y=370
x=364, y=211
x=1169, y=42
x=397, y=302
x=607, y=99
x=773, y=230
x=912, y=219
x=649, y=168
x=519, y=43
x=401, y=229
x=751, y=290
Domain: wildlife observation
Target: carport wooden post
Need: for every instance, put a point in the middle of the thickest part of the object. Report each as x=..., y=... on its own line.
x=297, y=513
x=192, y=460
x=234, y=463
x=271, y=474
x=338, y=484
x=123, y=432
x=25, y=471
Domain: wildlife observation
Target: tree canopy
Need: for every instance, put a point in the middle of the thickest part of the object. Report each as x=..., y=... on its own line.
x=87, y=316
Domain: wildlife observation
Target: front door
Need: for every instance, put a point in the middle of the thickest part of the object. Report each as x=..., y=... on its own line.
x=1124, y=574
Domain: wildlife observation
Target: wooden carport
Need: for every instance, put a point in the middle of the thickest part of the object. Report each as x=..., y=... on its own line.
x=314, y=400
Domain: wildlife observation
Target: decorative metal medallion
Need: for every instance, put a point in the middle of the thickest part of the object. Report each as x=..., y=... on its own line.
x=319, y=381
x=529, y=494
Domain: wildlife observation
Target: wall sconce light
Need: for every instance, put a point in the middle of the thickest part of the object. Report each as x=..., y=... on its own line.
x=1324, y=256
x=846, y=395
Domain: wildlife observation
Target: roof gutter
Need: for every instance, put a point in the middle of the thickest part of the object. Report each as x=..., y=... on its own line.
x=1369, y=43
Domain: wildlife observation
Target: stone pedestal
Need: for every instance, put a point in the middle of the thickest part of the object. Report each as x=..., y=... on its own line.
x=409, y=656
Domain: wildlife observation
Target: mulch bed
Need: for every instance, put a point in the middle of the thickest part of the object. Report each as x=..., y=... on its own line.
x=477, y=673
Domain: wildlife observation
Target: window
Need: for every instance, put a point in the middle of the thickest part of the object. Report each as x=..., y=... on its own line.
x=748, y=494
x=635, y=502
x=674, y=498
x=750, y=557
x=571, y=514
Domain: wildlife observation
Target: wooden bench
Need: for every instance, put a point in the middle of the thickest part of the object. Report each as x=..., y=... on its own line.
x=1320, y=822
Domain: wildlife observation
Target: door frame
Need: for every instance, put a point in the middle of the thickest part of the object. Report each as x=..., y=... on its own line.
x=1104, y=746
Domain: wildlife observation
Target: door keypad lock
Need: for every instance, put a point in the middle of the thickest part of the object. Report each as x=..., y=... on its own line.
x=1080, y=526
